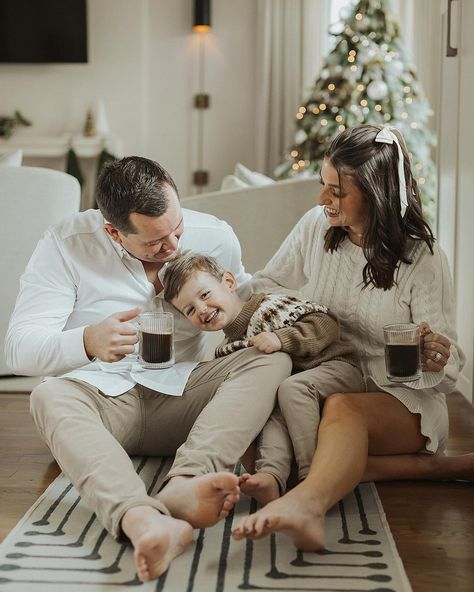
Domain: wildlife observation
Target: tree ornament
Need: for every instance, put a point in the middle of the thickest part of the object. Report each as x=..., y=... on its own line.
x=394, y=68
x=377, y=90
x=300, y=136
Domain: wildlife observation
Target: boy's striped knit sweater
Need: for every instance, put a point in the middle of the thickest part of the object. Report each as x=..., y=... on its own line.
x=308, y=333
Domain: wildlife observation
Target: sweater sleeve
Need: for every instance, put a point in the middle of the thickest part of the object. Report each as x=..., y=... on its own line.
x=432, y=301
x=310, y=335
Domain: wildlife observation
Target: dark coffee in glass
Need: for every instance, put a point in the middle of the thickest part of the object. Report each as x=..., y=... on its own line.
x=156, y=347
x=402, y=352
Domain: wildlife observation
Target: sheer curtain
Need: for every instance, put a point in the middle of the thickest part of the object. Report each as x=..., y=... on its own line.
x=289, y=53
x=292, y=41
x=420, y=22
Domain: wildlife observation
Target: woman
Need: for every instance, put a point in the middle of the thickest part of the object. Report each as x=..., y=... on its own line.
x=371, y=258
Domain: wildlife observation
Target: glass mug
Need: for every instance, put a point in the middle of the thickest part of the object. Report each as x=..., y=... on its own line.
x=402, y=352
x=155, y=339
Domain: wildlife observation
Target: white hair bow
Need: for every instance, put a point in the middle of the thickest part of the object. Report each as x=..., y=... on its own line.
x=386, y=136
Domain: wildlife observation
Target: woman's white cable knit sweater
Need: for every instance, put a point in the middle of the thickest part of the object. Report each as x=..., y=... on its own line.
x=423, y=293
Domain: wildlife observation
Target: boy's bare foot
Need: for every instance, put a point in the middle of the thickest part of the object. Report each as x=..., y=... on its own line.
x=201, y=501
x=157, y=539
x=296, y=514
x=261, y=486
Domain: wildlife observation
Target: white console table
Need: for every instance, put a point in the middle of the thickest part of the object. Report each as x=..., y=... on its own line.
x=57, y=146
x=37, y=148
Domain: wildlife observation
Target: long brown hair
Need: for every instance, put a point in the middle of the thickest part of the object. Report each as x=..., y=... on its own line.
x=373, y=166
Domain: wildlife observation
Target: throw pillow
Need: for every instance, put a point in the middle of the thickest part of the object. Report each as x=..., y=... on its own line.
x=251, y=178
x=231, y=182
x=12, y=159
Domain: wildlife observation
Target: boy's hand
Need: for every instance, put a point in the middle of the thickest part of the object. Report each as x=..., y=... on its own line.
x=266, y=342
x=112, y=339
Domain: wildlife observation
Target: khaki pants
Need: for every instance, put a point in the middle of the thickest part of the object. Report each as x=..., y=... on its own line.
x=224, y=406
x=293, y=426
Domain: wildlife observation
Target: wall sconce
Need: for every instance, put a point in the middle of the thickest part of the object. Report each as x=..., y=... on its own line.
x=202, y=15
x=201, y=24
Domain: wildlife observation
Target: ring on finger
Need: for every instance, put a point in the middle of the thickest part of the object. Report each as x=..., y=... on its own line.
x=437, y=357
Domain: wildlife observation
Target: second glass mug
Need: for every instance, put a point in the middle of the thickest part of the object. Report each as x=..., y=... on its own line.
x=402, y=352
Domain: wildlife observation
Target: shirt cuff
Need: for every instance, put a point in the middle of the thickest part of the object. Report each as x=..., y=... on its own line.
x=72, y=344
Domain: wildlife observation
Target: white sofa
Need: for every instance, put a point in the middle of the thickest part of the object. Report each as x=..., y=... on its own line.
x=31, y=199
x=260, y=216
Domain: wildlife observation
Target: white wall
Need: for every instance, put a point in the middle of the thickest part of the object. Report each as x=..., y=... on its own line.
x=142, y=61
x=229, y=79
x=464, y=239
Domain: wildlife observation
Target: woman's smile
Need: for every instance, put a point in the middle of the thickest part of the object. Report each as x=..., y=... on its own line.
x=332, y=212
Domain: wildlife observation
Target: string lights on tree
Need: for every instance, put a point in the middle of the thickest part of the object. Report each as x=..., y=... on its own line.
x=366, y=78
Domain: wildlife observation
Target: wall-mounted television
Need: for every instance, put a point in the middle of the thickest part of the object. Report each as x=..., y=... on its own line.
x=43, y=31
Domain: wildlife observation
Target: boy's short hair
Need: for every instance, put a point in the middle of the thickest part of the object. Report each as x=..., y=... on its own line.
x=183, y=266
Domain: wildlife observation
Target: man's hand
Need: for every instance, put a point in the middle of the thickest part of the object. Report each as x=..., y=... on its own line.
x=266, y=342
x=112, y=339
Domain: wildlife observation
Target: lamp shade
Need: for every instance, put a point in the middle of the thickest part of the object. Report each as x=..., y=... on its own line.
x=202, y=15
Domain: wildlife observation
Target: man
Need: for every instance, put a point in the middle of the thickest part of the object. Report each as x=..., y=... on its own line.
x=87, y=280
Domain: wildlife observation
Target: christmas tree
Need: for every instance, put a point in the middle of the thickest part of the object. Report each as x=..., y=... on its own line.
x=366, y=78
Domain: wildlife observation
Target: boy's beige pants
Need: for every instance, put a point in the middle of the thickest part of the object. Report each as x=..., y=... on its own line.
x=291, y=431
x=224, y=406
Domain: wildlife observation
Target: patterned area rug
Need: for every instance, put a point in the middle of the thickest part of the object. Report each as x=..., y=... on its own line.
x=59, y=546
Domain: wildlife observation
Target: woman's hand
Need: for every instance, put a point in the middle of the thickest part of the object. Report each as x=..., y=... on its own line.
x=435, y=349
x=266, y=342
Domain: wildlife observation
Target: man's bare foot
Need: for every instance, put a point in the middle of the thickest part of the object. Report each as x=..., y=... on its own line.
x=263, y=487
x=157, y=539
x=296, y=514
x=201, y=501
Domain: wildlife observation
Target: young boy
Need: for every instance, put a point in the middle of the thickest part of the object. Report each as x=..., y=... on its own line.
x=206, y=295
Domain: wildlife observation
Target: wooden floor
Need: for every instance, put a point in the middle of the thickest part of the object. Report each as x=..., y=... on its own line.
x=432, y=523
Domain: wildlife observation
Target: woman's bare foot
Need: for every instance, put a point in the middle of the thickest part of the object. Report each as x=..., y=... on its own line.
x=201, y=501
x=458, y=468
x=263, y=487
x=297, y=514
x=157, y=539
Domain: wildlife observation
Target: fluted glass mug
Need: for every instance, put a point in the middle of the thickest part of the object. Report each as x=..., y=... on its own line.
x=156, y=342
x=402, y=352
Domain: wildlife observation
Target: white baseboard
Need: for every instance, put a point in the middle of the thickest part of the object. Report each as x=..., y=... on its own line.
x=18, y=384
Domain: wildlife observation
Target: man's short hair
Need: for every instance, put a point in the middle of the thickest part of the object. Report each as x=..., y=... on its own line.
x=183, y=267
x=132, y=184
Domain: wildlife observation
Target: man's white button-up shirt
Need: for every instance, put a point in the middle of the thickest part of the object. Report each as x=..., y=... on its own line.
x=78, y=276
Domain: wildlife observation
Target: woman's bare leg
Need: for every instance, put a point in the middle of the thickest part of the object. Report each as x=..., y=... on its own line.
x=434, y=467
x=353, y=426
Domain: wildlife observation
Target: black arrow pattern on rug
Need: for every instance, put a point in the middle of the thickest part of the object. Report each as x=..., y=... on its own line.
x=189, y=583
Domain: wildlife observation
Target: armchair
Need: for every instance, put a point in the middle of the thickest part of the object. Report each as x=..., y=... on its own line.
x=31, y=199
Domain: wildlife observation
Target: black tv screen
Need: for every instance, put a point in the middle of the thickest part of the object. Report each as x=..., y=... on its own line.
x=43, y=31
